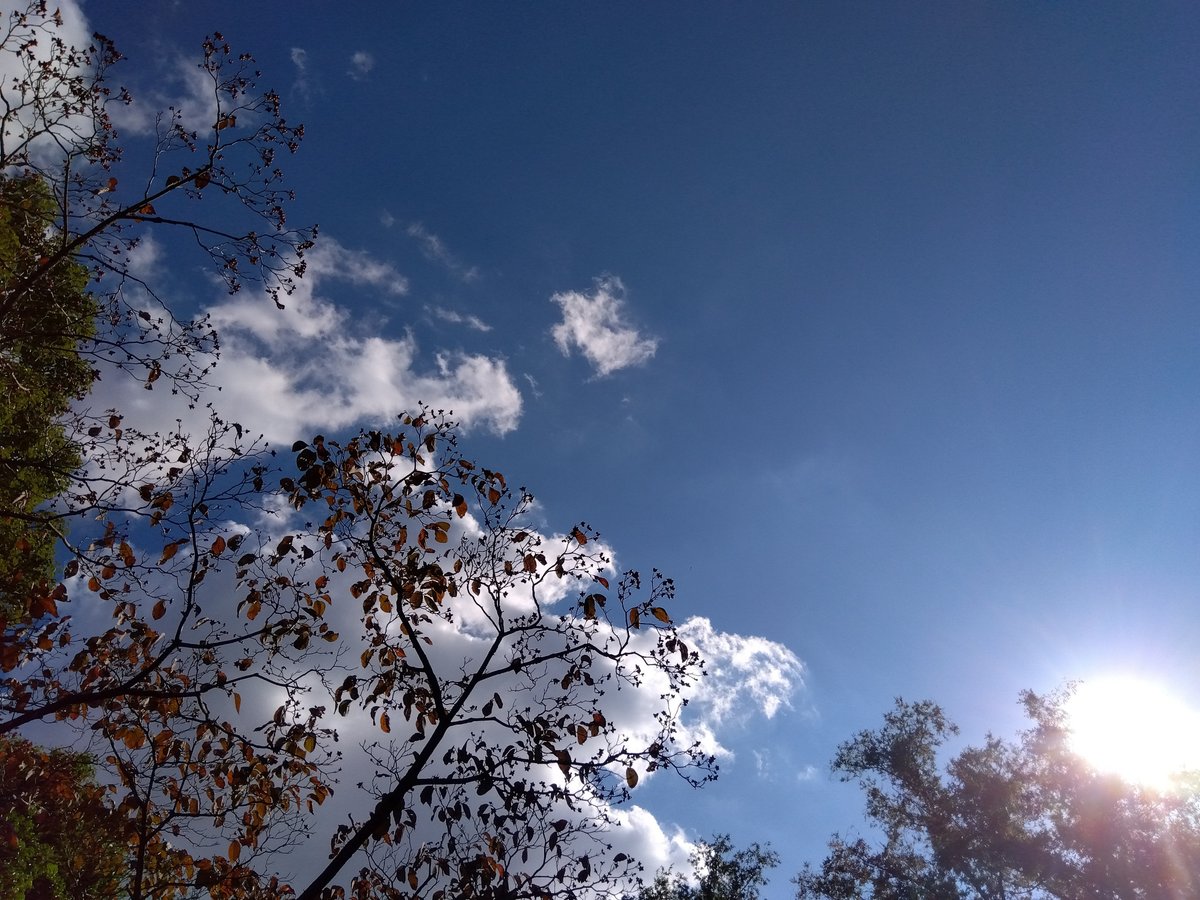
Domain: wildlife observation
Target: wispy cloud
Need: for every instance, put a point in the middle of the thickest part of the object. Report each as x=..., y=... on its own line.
x=361, y=64
x=457, y=318
x=300, y=60
x=594, y=324
x=434, y=249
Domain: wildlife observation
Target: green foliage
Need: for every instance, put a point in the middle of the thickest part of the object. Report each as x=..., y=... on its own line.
x=41, y=372
x=1019, y=820
x=59, y=840
x=721, y=872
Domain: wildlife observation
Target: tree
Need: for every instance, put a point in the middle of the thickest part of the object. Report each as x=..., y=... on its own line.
x=59, y=839
x=721, y=874
x=43, y=372
x=211, y=663
x=1010, y=819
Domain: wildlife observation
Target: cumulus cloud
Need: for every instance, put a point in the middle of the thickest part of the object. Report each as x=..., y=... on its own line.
x=594, y=324
x=361, y=64
x=746, y=675
x=434, y=249
x=315, y=366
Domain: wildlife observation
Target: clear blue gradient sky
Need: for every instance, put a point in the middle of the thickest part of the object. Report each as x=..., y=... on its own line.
x=924, y=402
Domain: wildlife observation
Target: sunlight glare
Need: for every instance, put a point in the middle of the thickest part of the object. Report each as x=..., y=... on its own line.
x=1134, y=729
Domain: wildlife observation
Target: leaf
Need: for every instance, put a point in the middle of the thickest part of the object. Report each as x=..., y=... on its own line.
x=631, y=777
x=225, y=122
x=493, y=496
x=237, y=701
x=579, y=536
x=635, y=619
x=661, y=614
x=202, y=179
x=218, y=546
x=173, y=180
x=460, y=505
x=385, y=724
x=147, y=210
x=160, y=609
x=235, y=850
x=171, y=549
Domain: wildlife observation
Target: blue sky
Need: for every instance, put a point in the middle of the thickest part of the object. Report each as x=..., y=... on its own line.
x=876, y=324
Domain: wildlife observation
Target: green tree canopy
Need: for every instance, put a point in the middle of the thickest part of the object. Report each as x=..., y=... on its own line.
x=59, y=839
x=1013, y=819
x=41, y=372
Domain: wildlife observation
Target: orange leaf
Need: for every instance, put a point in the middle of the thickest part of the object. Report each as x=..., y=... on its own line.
x=170, y=550
x=385, y=724
x=218, y=546
x=579, y=536
x=235, y=850
x=237, y=701
x=160, y=609
x=493, y=496
x=635, y=619
x=661, y=614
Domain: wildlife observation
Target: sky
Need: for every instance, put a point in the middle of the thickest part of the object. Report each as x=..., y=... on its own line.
x=873, y=325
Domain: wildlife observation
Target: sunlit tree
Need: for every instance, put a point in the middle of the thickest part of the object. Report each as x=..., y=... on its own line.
x=1024, y=818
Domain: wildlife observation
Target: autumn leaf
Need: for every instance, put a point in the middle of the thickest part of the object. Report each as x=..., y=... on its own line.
x=160, y=610
x=631, y=777
x=579, y=536
x=661, y=614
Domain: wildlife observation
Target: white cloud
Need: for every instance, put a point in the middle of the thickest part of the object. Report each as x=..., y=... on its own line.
x=316, y=366
x=595, y=325
x=457, y=318
x=300, y=60
x=434, y=249
x=386, y=219
x=746, y=675
x=361, y=64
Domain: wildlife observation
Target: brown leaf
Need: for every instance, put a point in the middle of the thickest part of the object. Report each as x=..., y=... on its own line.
x=579, y=536
x=218, y=546
x=661, y=614
x=631, y=777
x=160, y=609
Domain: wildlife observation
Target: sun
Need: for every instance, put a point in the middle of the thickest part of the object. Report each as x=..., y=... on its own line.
x=1135, y=729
